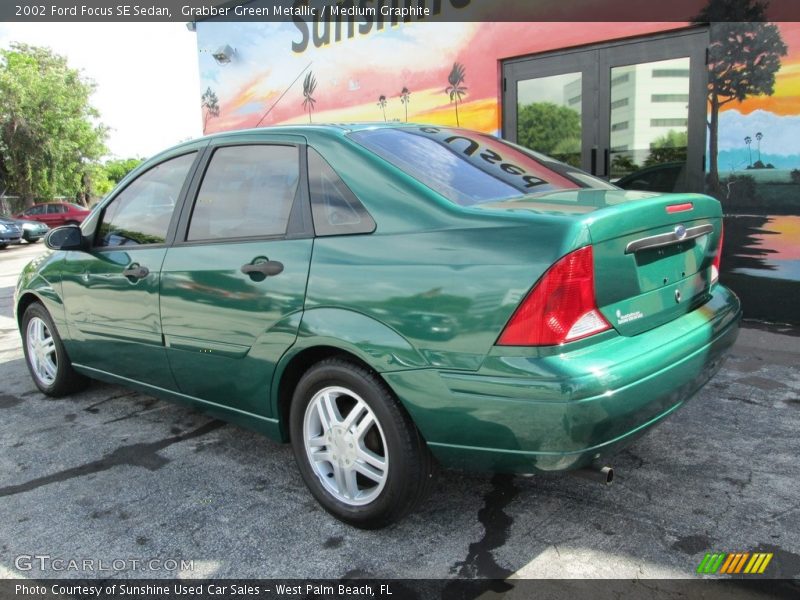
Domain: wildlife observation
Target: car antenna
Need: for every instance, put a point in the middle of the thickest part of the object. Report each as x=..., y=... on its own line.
x=269, y=110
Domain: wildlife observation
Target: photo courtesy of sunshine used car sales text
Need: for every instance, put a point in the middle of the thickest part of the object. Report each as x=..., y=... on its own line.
x=188, y=589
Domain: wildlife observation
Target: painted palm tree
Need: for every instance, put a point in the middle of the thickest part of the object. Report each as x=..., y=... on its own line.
x=210, y=104
x=405, y=98
x=309, y=86
x=455, y=88
x=382, y=104
x=748, y=140
x=759, y=135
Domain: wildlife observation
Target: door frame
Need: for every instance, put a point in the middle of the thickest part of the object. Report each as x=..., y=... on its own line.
x=593, y=61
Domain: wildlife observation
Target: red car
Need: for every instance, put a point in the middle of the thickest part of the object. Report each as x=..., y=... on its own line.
x=55, y=214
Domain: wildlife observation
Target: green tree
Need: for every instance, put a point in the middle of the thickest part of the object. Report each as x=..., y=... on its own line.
x=744, y=55
x=670, y=147
x=117, y=168
x=50, y=137
x=309, y=86
x=210, y=105
x=550, y=129
x=454, y=87
x=622, y=164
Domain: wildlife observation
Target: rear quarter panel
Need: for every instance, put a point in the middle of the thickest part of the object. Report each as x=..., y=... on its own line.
x=443, y=278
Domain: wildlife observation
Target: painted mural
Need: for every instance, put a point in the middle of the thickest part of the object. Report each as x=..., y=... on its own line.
x=758, y=166
x=442, y=73
x=259, y=74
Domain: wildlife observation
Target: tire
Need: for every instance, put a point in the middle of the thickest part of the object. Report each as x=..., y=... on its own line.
x=32, y=240
x=45, y=355
x=390, y=438
x=3, y=246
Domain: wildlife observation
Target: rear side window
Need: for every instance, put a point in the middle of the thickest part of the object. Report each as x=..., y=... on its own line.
x=54, y=209
x=335, y=208
x=140, y=214
x=247, y=191
x=36, y=210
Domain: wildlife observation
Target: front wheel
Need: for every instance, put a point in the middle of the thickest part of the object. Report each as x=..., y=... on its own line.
x=356, y=448
x=45, y=355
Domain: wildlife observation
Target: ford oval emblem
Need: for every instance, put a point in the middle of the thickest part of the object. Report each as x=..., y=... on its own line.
x=680, y=232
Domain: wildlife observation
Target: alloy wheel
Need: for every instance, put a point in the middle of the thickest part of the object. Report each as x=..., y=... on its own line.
x=41, y=351
x=345, y=445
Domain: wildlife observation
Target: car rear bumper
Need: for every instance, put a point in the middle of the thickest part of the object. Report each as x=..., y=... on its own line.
x=529, y=411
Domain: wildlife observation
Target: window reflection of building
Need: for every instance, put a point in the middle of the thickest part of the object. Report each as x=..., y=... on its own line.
x=648, y=100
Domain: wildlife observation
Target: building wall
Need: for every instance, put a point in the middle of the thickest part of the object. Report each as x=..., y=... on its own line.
x=353, y=73
x=361, y=78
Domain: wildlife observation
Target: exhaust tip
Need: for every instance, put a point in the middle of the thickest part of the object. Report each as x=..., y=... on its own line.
x=600, y=474
x=609, y=473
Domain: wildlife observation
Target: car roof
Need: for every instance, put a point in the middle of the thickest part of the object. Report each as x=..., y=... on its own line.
x=339, y=129
x=324, y=129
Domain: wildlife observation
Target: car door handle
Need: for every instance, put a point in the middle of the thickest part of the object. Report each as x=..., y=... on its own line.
x=136, y=272
x=267, y=268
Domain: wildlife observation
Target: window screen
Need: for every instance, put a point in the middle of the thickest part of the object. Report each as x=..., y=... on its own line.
x=247, y=191
x=335, y=208
x=141, y=213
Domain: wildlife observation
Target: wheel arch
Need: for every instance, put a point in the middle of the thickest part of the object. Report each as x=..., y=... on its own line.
x=292, y=368
x=45, y=296
x=325, y=332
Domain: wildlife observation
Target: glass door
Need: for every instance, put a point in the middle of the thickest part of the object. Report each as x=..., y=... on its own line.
x=550, y=106
x=632, y=112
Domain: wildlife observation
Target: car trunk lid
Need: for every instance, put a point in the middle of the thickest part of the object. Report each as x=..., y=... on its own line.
x=652, y=252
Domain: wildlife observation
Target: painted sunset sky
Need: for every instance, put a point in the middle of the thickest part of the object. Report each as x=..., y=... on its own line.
x=351, y=75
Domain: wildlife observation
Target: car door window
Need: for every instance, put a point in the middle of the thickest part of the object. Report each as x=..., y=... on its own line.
x=35, y=210
x=141, y=213
x=247, y=191
x=55, y=209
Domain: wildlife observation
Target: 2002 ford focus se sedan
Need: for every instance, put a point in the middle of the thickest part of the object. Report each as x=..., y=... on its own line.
x=382, y=296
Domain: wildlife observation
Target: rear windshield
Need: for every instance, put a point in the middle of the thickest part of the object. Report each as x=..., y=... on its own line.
x=470, y=168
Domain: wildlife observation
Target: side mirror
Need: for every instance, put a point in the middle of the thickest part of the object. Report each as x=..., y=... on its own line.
x=68, y=237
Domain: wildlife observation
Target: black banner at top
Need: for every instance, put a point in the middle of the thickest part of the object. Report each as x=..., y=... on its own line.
x=391, y=11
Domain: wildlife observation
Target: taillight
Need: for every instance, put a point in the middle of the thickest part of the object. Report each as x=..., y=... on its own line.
x=560, y=308
x=718, y=258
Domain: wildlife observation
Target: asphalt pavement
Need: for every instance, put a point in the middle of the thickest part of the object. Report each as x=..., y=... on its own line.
x=139, y=487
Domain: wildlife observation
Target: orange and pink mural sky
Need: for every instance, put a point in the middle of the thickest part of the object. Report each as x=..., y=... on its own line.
x=353, y=73
x=263, y=82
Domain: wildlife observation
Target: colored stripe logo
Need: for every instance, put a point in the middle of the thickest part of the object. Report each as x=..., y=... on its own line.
x=733, y=563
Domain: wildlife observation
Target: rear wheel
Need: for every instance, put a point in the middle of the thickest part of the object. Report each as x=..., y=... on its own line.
x=45, y=356
x=357, y=449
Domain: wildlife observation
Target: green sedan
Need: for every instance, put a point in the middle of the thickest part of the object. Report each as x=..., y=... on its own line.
x=384, y=297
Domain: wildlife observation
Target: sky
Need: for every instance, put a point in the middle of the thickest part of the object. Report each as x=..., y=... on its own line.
x=148, y=90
